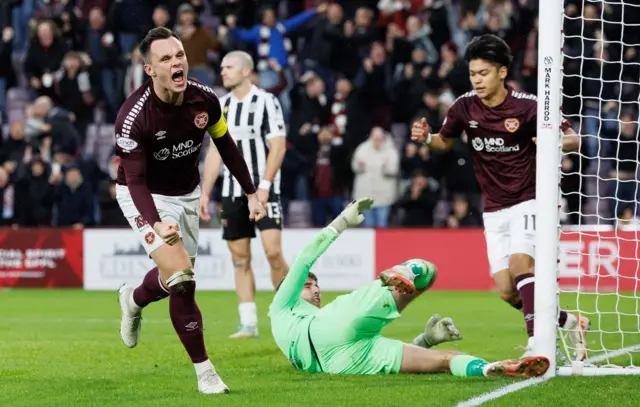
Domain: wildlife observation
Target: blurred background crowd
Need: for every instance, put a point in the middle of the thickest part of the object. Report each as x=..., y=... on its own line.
x=351, y=76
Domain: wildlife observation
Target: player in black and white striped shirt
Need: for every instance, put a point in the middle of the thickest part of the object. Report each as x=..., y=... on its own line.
x=255, y=120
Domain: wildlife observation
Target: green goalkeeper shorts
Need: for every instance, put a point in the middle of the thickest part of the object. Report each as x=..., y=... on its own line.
x=346, y=333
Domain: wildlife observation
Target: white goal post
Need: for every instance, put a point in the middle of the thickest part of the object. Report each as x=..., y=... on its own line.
x=614, y=310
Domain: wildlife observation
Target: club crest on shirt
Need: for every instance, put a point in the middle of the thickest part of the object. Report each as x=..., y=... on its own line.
x=149, y=238
x=201, y=120
x=511, y=124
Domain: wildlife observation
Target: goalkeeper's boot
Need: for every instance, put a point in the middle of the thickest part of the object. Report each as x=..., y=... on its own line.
x=210, y=383
x=399, y=277
x=528, y=367
x=131, y=320
x=577, y=328
x=425, y=273
x=245, y=331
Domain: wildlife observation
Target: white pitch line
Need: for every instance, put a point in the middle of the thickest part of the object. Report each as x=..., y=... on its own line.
x=511, y=388
x=500, y=392
x=604, y=356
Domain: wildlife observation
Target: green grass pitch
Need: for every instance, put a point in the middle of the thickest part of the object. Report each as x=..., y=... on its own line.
x=62, y=348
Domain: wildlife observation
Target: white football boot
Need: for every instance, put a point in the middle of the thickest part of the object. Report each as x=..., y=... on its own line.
x=245, y=331
x=210, y=383
x=575, y=330
x=131, y=320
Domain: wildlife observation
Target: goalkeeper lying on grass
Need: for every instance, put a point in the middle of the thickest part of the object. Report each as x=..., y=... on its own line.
x=344, y=336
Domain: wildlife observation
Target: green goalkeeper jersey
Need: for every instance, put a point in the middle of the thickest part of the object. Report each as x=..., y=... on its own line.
x=290, y=315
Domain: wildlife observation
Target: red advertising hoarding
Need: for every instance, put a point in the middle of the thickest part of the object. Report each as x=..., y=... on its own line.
x=41, y=258
x=602, y=260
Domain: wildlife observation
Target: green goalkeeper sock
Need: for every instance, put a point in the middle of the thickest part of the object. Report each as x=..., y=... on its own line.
x=467, y=365
x=425, y=273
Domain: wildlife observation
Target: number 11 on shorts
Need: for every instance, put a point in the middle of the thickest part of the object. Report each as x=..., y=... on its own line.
x=530, y=220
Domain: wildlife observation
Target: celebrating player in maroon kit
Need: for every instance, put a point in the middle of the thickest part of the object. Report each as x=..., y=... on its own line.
x=159, y=131
x=500, y=124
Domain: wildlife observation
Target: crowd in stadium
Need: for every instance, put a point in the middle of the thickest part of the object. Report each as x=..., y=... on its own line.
x=351, y=77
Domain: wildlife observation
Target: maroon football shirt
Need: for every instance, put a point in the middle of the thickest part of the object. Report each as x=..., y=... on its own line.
x=159, y=145
x=500, y=138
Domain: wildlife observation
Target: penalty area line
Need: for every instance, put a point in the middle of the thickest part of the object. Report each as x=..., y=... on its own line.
x=500, y=392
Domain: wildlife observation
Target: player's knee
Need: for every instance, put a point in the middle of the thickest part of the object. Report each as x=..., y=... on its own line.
x=520, y=263
x=273, y=254
x=508, y=295
x=241, y=264
x=182, y=282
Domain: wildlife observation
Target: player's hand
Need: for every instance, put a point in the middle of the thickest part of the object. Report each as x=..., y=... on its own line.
x=352, y=215
x=256, y=209
x=263, y=196
x=420, y=131
x=204, y=209
x=440, y=330
x=168, y=232
x=534, y=139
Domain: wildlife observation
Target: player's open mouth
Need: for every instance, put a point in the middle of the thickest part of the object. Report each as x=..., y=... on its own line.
x=178, y=77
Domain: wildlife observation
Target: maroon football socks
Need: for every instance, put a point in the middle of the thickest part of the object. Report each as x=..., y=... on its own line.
x=187, y=320
x=151, y=289
x=525, y=283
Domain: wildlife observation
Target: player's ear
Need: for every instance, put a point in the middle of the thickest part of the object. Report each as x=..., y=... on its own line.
x=148, y=70
x=502, y=72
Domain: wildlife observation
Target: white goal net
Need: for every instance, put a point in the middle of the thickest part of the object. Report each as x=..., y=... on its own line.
x=597, y=85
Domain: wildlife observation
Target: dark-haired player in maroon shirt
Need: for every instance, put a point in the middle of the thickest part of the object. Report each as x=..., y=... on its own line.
x=500, y=125
x=159, y=131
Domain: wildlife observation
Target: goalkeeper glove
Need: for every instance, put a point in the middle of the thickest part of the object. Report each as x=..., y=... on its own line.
x=438, y=330
x=351, y=215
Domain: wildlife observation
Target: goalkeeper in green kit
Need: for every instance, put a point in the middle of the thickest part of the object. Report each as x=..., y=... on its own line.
x=344, y=336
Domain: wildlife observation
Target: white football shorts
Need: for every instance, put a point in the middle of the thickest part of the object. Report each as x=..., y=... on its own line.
x=183, y=210
x=509, y=231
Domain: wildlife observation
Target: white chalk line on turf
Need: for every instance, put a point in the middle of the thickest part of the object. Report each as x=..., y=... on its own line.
x=512, y=388
x=609, y=355
x=500, y=392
